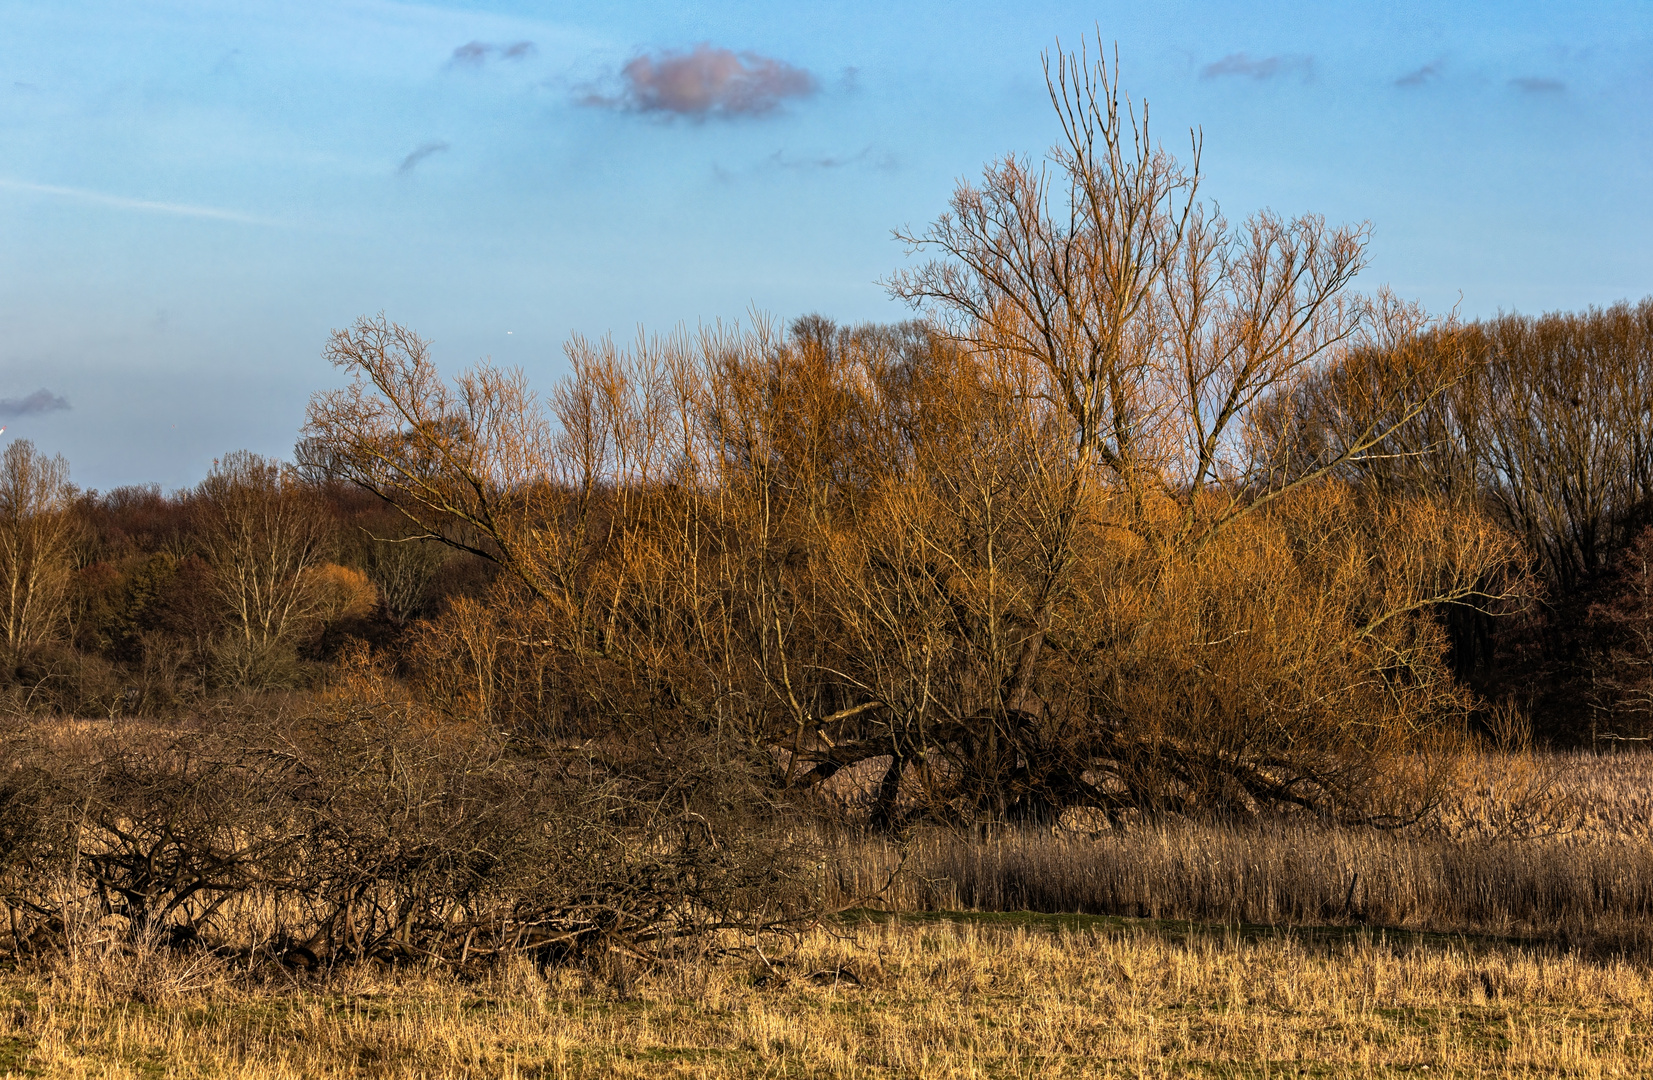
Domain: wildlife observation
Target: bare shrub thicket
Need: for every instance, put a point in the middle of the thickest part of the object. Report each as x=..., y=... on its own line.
x=361, y=829
x=1048, y=549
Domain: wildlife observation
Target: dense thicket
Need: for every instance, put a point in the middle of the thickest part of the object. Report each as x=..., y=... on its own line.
x=362, y=828
x=121, y=603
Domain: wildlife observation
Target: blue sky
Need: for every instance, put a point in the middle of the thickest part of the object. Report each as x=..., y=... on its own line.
x=193, y=193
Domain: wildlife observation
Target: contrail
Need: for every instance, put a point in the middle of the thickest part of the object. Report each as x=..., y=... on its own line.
x=146, y=206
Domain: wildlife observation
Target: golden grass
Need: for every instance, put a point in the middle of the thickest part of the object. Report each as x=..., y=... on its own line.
x=1613, y=792
x=937, y=999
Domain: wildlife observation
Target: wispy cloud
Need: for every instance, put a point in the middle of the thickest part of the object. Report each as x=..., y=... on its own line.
x=39, y=403
x=706, y=81
x=1261, y=68
x=865, y=156
x=146, y=206
x=1533, y=84
x=419, y=154
x=1426, y=74
x=476, y=53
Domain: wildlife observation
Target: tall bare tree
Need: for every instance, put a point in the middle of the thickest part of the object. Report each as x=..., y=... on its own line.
x=1064, y=545
x=1163, y=339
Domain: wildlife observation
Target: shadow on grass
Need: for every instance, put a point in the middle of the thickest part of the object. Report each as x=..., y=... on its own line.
x=1188, y=929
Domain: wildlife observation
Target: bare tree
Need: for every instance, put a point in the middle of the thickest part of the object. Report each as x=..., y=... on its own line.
x=1067, y=545
x=1622, y=670
x=263, y=535
x=402, y=568
x=36, y=531
x=1163, y=341
x=1566, y=431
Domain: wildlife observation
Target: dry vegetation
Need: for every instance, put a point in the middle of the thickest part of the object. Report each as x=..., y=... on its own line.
x=1152, y=574
x=1594, y=895
x=1547, y=975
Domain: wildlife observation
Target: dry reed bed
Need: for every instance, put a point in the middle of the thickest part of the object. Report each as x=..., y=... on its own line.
x=1599, y=891
x=1612, y=792
x=1552, y=845
x=940, y=1000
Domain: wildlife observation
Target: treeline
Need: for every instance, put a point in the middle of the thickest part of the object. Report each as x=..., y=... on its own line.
x=137, y=602
x=145, y=601
x=1545, y=425
x=1532, y=434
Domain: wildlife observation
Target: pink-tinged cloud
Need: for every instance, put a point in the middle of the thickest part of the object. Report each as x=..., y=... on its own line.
x=706, y=81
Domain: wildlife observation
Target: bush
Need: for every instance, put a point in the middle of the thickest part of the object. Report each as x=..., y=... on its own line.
x=366, y=829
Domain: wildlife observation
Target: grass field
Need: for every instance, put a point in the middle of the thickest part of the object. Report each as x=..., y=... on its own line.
x=964, y=996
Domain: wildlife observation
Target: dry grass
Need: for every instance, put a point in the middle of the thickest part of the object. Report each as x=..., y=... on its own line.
x=1613, y=792
x=999, y=995
x=940, y=999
